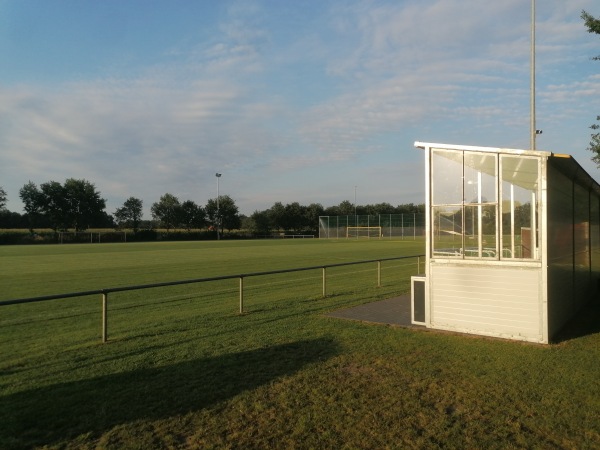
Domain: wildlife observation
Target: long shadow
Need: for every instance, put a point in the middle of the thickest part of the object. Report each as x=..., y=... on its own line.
x=585, y=322
x=52, y=414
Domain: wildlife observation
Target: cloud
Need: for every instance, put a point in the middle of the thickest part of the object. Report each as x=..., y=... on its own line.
x=263, y=100
x=145, y=131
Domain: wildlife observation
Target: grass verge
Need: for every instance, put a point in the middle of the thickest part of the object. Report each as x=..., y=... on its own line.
x=183, y=370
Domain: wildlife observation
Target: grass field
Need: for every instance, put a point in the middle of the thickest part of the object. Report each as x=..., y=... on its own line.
x=183, y=369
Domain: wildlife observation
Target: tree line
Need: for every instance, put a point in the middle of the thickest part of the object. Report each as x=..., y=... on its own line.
x=301, y=219
x=77, y=205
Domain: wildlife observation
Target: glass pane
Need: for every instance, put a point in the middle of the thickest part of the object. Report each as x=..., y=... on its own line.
x=480, y=178
x=471, y=231
x=447, y=231
x=519, y=219
x=480, y=231
x=446, y=177
x=489, y=233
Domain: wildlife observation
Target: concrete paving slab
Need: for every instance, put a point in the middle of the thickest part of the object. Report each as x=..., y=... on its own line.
x=391, y=311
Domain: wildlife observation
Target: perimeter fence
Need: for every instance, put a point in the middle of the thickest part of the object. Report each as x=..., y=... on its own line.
x=104, y=293
x=392, y=226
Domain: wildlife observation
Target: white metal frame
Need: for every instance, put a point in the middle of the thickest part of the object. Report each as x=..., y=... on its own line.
x=417, y=279
x=539, y=259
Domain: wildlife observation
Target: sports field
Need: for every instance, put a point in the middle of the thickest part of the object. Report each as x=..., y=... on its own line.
x=183, y=369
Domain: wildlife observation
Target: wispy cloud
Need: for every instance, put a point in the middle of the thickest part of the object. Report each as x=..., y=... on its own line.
x=275, y=97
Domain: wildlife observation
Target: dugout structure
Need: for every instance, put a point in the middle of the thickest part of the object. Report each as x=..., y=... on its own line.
x=382, y=226
x=513, y=240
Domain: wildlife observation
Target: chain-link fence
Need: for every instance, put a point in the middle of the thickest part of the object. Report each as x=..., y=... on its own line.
x=382, y=226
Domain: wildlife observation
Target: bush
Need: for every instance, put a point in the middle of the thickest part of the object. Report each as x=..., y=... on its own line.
x=143, y=236
x=23, y=237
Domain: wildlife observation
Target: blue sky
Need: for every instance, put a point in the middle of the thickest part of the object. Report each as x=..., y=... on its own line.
x=290, y=100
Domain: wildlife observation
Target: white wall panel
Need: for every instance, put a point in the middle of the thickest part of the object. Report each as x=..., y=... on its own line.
x=494, y=300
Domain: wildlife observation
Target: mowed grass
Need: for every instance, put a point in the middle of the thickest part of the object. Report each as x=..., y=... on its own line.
x=40, y=270
x=183, y=369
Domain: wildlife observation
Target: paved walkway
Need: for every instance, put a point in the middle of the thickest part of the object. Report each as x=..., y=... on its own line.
x=392, y=311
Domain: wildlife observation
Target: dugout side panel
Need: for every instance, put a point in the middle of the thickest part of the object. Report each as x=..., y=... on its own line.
x=487, y=300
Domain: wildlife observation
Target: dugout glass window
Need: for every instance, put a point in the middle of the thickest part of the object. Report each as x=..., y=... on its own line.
x=520, y=177
x=447, y=231
x=464, y=204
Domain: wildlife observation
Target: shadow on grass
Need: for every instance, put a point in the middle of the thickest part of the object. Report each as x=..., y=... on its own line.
x=585, y=322
x=60, y=412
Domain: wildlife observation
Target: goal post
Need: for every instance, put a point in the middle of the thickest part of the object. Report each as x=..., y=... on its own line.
x=392, y=226
x=363, y=232
x=83, y=237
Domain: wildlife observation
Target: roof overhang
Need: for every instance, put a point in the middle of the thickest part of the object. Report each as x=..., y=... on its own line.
x=565, y=164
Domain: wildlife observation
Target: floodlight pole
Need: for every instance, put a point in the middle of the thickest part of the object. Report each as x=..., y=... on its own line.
x=355, y=216
x=218, y=175
x=532, y=129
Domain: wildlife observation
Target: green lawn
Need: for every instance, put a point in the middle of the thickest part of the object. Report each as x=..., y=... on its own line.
x=183, y=369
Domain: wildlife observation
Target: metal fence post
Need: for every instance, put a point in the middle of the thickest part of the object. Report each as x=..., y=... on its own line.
x=241, y=295
x=104, y=317
x=105, y=292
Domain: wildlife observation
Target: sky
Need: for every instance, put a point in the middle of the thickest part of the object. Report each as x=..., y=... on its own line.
x=309, y=101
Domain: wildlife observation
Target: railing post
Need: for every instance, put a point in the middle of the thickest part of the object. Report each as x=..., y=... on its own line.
x=241, y=295
x=324, y=282
x=418, y=265
x=104, y=317
x=378, y=273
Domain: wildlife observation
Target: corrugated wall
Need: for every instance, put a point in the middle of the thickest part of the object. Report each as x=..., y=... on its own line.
x=560, y=249
x=595, y=245
x=492, y=300
x=573, y=246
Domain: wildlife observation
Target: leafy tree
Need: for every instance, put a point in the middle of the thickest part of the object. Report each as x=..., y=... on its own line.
x=381, y=208
x=192, y=215
x=84, y=206
x=76, y=204
x=103, y=220
x=9, y=219
x=259, y=223
x=31, y=197
x=331, y=211
x=53, y=204
x=410, y=208
x=313, y=211
x=593, y=26
x=2, y=198
x=277, y=216
x=130, y=214
x=295, y=217
x=595, y=142
x=228, y=214
x=167, y=211
x=346, y=208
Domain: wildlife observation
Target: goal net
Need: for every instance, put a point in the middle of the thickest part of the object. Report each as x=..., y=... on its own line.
x=363, y=232
x=393, y=226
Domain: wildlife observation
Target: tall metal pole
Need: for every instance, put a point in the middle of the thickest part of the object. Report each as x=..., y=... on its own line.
x=218, y=175
x=532, y=129
x=355, y=216
x=104, y=317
